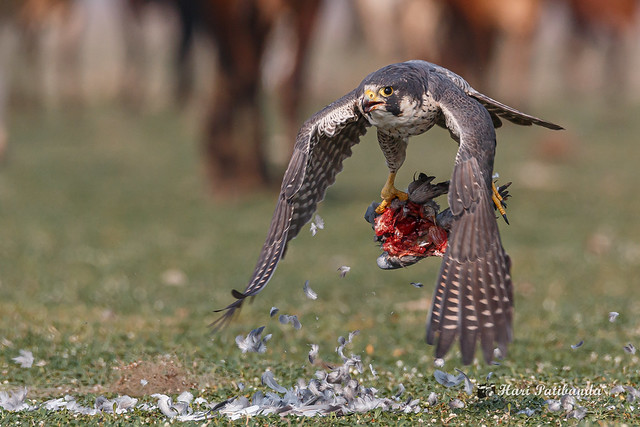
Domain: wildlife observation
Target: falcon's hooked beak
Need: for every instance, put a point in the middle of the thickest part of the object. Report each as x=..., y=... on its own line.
x=371, y=101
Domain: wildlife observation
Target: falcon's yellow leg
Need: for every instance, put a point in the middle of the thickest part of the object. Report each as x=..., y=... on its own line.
x=390, y=192
x=497, y=200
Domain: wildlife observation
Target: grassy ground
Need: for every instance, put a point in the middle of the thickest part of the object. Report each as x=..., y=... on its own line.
x=111, y=252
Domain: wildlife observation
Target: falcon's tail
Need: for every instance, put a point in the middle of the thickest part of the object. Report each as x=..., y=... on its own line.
x=474, y=293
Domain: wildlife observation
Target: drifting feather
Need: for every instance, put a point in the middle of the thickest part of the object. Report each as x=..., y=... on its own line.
x=25, y=360
x=343, y=270
x=468, y=385
x=313, y=353
x=253, y=343
x=309, y=292
x=613, y=315
x=293, y=319
x=373, y=371
x=630, y=348
x=448, y=380
x=316, y=224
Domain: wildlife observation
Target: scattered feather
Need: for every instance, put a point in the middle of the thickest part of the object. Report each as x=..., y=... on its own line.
x=253, y=343
x=526, y=411
x=316, y=224
x=432, y=400
x=309, y=292
x=313, y=353
x=270, y=381
x=568, y=402
x=497, y=354
x=344, y=270
x=329, y=392
x=613, y=315
x=468, y=385
x=630, y=348
x=352, y=334
x=632, y=394
x=579, y=413
x=143, y=382
x=14, y=400
x=489, y=375
x=448, y=380
x=553, y=405
x=373, y=371
x=119, y=405
x=417, y=284
x=293, y=319
x=25, y=360
x=165, y=405
x=456, y=404
x=617, y=389
x=273, y=311
x=401, y=390
x=575, y=346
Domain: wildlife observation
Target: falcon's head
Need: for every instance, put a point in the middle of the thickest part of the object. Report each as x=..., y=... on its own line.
x=392, y=94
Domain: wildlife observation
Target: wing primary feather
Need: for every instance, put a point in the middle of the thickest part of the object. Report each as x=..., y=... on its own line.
x=499, y=110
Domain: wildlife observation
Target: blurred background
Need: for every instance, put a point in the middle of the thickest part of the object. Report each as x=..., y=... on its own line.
x=247, y=73
x=142, y=144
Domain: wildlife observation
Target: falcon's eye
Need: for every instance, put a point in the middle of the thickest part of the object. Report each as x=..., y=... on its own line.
x=386, y=91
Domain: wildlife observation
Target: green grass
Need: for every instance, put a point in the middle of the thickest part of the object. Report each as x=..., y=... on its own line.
x=96, y=207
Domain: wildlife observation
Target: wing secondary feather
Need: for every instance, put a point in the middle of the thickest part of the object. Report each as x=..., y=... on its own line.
x=322, y=144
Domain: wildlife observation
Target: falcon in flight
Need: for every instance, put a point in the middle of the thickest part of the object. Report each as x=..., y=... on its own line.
x=474, y=293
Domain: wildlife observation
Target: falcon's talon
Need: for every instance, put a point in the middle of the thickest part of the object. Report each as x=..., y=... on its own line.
x=497, y=200
x=382, y=207
x=390, y=192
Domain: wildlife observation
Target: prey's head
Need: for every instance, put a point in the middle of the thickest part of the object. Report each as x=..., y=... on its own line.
x=392, y=92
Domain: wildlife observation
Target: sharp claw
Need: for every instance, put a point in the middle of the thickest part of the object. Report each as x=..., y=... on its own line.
x=504, y=216
x=390, y=192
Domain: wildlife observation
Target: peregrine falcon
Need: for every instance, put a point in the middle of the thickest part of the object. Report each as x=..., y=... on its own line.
x=474, y=293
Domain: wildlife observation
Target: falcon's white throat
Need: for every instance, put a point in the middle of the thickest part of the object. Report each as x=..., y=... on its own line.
x=414, y=119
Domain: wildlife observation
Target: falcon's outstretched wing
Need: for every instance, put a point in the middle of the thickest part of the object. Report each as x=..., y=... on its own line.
x=473, y=296
x=322, y=144
x=497, y=109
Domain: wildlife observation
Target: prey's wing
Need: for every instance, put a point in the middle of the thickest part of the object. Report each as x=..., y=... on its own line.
x=322, y=144
x=497, y=109
x=473, y=296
